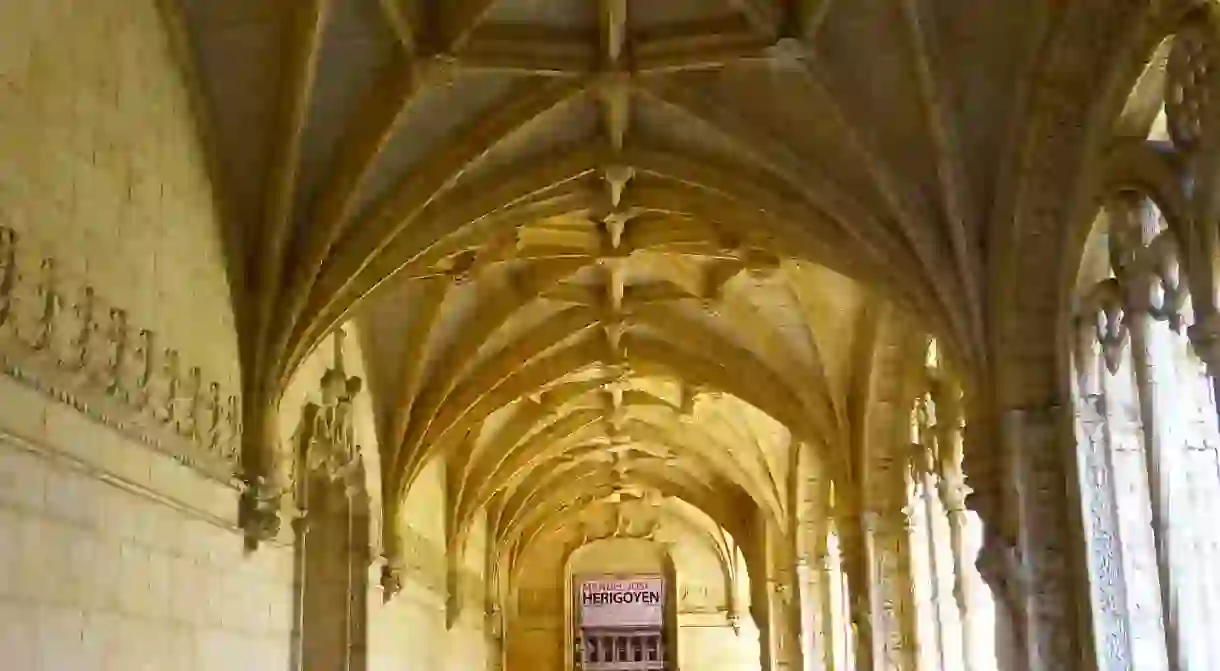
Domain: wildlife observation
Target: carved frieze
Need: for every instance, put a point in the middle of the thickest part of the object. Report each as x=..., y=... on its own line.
x=60, y=337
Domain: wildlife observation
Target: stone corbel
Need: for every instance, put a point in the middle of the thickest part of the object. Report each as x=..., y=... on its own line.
x=393, y=572
x=1105, y=302
x=1162, y=261
x=258, y=511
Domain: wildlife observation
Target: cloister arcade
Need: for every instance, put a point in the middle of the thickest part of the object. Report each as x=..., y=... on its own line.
x=378, y=334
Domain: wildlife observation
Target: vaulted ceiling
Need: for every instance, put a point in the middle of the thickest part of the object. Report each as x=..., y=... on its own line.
x=602, y=247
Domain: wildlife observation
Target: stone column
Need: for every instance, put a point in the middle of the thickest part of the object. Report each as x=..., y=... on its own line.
x=775, y=604
x=359, y=558
x=1038, y=569
x=1106, y=564
x=760, y=612
x=300, y=532
x=1205, y=341
x=785, y=623
x=813, y=576
x=928, y=495
x=952, y=489
x=887, y=536
x=953, y=493
x=984, y=465
x=1000, y=568
x=830, y=630
x=1156, y=408
x=855, y=565
x=494, y=635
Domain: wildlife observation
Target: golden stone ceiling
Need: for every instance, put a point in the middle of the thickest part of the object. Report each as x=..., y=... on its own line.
x=605, y=248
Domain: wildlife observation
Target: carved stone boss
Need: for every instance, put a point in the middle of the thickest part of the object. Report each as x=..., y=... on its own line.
x=59, y=337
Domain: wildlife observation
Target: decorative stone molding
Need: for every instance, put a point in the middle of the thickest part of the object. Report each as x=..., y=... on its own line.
x=61, y=338
x=326, y=440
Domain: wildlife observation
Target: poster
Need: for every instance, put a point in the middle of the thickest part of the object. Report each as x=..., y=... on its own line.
x=626, y=602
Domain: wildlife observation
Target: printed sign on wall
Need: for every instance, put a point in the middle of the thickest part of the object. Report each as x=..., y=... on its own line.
x=612, y=602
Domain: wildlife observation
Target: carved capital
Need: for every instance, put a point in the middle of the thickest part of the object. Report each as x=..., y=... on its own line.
x=1103, y=311
x=392, y=574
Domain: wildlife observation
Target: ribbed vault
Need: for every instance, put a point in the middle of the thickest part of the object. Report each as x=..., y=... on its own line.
x=614, y=248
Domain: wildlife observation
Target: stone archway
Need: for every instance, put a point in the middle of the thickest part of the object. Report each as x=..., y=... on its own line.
x=1039, y=227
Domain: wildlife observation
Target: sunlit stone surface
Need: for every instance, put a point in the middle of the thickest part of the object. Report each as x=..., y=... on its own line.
x=367, y=334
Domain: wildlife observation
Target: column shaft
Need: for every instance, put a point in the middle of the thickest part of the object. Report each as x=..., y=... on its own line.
x=1160, y=459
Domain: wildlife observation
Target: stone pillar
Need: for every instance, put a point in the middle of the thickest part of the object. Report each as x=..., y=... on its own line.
x=1001, y=569
x=1038, y=569
x=928, y=500
x=760, y=611
x=494, y=628
x=830, y=631
x=1205, y=341
x=776, y=606
x=894, y=614
x=985, y=468
x=300, y=532
x=1132, y=221
x=359, y=558
x=785, y=619
x=855, y=565
x=1106, y=564
x=813, y=612
x=952, y=490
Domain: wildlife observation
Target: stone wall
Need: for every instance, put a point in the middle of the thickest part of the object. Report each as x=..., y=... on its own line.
x=113, y=556
x=706, y=642
x=411, y=632
x=113, y=287
x=103, y=169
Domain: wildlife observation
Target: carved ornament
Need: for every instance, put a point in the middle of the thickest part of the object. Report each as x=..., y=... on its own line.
x=58, y=336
